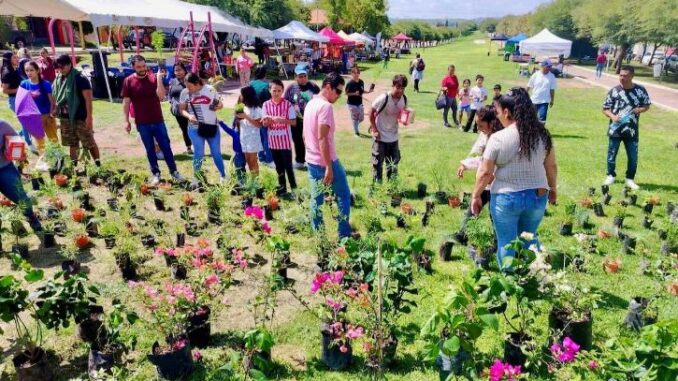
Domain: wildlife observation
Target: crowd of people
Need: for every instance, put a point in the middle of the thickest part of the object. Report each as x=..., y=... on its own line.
x=294, y=127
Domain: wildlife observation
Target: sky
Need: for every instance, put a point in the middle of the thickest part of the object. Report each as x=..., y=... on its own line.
x=459, y=9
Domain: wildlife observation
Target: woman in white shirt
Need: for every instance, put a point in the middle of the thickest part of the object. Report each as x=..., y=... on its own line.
x=198, y=103
x=249, y=122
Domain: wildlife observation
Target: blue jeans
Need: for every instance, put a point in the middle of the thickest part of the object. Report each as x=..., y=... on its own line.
x=199, y=150
x=542, y=110
x=265, y=155
x=11, y=187
x=157, y=132
x=451, y=103
x=599, y=70
x=631, y=146
x=514, y=213
x=341, y=190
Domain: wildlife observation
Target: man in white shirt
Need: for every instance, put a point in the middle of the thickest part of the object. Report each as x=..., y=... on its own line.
x=543, y=86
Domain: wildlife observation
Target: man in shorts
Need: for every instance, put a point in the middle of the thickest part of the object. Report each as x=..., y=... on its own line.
x=73, y=95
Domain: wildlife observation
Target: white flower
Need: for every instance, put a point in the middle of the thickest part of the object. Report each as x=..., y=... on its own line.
x=527, y=236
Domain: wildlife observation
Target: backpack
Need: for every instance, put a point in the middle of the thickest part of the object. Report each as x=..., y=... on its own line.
x=420, y=65
x=383, y=106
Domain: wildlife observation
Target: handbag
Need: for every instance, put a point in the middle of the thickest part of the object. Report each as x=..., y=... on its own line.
x=205, y=130
x=441, y=101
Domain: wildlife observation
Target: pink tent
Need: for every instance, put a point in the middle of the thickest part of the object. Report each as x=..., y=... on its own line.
x=335, y=39
x=401, y=37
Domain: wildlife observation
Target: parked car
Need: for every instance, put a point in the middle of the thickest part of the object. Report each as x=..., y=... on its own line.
x=658, y=57
x=671, y=64
x=201, y=40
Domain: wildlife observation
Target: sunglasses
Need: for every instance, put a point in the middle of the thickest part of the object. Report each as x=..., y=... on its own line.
x=338, y=91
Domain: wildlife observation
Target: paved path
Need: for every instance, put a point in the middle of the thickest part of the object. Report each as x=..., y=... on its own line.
x=661, y=96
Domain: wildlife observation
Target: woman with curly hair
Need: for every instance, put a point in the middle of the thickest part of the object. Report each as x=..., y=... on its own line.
x=520, y=162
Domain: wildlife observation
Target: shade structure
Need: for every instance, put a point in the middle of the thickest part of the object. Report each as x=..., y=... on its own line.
x=546, y=44
x=401, y=37
x=334, y=38
x=517, y=38
x=499, y=37
x=296, y=30
x=343, y=35
x=369, y=36
x=361, y=39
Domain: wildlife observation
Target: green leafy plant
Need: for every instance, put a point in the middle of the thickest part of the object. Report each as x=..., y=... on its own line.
x=158, y=40
x=480, y=234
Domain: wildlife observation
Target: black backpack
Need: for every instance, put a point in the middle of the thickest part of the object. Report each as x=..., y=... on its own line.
x=421, y=65
x=383, y=106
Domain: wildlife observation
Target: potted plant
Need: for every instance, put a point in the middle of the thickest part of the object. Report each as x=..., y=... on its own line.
x=566, y=225
x=280, y=250
x=415, y=246
x=607, y=198
x=37, y=182
x=80, y=238
x=641, y=312
x=215, y=196
x=571, y=315
x=647, y=222
x=113, y=339
x=598, y=209
x=70, y=265
x=421, y=190
x=453, y=329
x=126, y=255
x=480, y=238
x=611, y=265
x=439, y=180
x=109, y=230
x=586, y=202
x=619, y=215
x=445, y=249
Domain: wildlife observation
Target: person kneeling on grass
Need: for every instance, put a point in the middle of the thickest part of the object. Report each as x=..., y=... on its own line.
x=384, y=128
x=487, y=121
x=199, y=104
x=278, y=116
x=10, y=180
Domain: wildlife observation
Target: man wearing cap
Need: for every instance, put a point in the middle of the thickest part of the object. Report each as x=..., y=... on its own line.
x=543, y=86
x=299, y=94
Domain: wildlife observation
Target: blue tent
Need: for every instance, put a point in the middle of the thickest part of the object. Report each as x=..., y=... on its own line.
x=517, y=38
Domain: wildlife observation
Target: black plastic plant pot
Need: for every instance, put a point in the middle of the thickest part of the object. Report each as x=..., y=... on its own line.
x=178, y=271
x=109, y=242
x=607, y=198
x=148, y=241
x=127, y=269
x=635, y=316
x=592, y=191
x=513, y=354
x=113, y=204
x=396, y=200
x=159, y=204
x=268, y=213
x=199, y=329
x=88, y=330
x=20, y=249
x=192, y=229
x=400, y=222
x=48, y=240
x=598, y=209
x=480, y=259
x=332, y=356
x=445, y=250
x=633, y=199
x=172, y=365
x=647, y=208
x=99, y=362
x=581, y=332
x=213, y=217
x=451, y=365
x=605, y=189
x=665, y=248
x=566, y=229
x=441, y=197
x=181, y=239
x=246, y=202
x=647, y=223
x=32, y=366
x=425, y=219
x=421, y=190
x=70, y=267
x=670, y=207
x=629, y=245
x=618, y=221
x=37, y=183
x=52, y=173
x=60, y=228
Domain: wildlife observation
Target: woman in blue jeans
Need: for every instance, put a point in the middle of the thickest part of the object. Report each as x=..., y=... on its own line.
x=520, y=162
x=199, y=104
x=10, y=180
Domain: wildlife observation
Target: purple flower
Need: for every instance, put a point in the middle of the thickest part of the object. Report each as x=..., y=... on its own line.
x=496, y=370
x=570, y=345
x=254, y=211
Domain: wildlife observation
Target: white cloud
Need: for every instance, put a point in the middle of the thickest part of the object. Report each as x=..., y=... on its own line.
x=456, y=9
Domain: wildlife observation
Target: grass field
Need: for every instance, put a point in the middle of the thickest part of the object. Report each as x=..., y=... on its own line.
x=579, y=131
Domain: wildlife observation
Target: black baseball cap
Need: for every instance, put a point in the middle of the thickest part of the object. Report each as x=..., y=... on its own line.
x=497, y=87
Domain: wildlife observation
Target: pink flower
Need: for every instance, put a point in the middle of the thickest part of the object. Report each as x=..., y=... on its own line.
x=318, y=282
x=224, y=301
x=266, y=227
x=133, y=284
x=503, y=371
x=511, y=370
x=197, y=356
x=343, y=349
x=254, y=211
x=336, y=306
x=593, y=365
x=337, y=277
x=150, y=292
x=367, y=346
x=496, y=370
x=570, y=345
x=211, y=280
x=171, y=300
x=354, y=333
x=352, y=293
x=565, y=353
x=197, y=263
x=364, y=287
x=566, y=357
x=179, y=344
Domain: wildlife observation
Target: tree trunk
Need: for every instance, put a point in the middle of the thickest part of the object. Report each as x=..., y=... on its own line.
x=654, y=50
x=619, y=60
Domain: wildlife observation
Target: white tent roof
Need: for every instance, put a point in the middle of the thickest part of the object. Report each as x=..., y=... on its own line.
x=360, y=38
x=547, y=44
x=296, y=30
x=160, y=13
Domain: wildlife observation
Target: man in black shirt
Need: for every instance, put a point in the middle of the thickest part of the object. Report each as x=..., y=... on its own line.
x=355, y=88
x=623, y=105
x=300, y=93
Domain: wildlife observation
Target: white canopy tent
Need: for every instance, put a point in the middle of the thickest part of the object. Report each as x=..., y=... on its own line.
x=296, y=30
x=360, y=38
x=546, y=44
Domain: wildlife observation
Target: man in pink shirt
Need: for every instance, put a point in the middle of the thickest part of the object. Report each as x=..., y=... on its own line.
x=324, y=168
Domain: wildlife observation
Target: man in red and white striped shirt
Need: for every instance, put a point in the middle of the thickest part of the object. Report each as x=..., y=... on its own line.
x=278, y=116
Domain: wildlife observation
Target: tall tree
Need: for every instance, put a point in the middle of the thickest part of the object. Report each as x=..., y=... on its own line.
x=367, y=15
x=556, y=17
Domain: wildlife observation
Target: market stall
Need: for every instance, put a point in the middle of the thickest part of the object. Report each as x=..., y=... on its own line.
x=546, y=44
x=335, y=55
x=295, y=31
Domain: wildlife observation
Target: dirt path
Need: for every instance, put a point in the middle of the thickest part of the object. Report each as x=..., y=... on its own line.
x=659, y=95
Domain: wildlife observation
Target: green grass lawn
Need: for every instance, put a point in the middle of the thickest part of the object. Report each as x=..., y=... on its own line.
x=579, y=131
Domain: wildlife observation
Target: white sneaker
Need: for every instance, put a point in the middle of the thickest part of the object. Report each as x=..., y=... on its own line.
x=299, y=165
x=155, y=180
x=609, y=180
x=269, y=164
x=178, y=177
x=632, y=184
